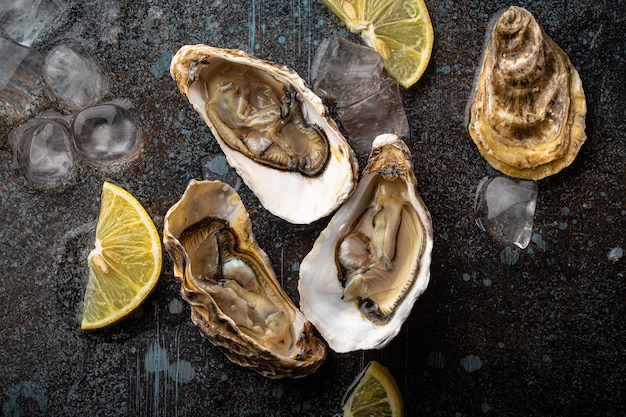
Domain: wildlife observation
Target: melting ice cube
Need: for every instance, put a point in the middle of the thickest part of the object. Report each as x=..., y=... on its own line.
x=43, y=151
x=20, y=70
x=345, y=71
x=105, y=133
x=505, y=208
x=24, y=20
x=73, y=76
x=367, y=99
x=382, y=112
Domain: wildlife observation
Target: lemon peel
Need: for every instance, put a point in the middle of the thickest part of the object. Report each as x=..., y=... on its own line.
x=374, y=392
x=399, y=30
x=125, y=263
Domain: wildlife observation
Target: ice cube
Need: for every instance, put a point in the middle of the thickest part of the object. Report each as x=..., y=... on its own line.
x=382, y=112
x=20, y=73
x=367, y=99
x=345, y=71
x=505, y=207
x=104, y=134
x=43, y=151
x=25, y=20
x=73, y=77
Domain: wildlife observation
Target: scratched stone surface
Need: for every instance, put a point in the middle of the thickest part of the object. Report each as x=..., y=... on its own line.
x=500, y=331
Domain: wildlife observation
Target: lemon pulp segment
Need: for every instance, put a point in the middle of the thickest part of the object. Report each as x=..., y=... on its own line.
x=400, y=30
x=125, y=264
x=374, y=393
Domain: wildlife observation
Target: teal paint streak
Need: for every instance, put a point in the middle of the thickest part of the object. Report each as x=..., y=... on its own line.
x=252, y=26
x=28, y=390
x=307, y=36
x=179, y=371
x=157, y=362
x=156, y=375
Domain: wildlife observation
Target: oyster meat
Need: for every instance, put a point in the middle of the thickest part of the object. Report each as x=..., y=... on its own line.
x=366, y=269
x=228, y=280
x=273, y=130
x=527, y=113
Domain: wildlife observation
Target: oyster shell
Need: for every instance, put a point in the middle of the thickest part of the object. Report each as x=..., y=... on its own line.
x=228, y=280
x=366, y=269
x=273, y=130
x=527, y=114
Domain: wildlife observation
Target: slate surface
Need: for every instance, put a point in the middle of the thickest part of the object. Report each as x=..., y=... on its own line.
x=500, y=331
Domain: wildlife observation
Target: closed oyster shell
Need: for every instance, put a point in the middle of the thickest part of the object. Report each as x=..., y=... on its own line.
x=273, y=130
x=228, y=280
x=527, y=114
x=366, y=269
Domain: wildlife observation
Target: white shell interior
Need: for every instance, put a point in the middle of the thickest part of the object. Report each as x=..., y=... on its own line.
x=341, y=322
x=222, y=202
x=290, y=195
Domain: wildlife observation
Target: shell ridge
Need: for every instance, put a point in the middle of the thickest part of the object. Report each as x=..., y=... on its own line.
x=525, y=101
x=270, y=353
x=343, y=323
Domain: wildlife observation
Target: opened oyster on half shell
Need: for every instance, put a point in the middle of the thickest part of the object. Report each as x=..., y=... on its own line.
x=366, y=269
x=527, y=111
x=274, y=131
x=228, y=280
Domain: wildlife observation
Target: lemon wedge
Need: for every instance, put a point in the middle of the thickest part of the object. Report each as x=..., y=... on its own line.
x=126, y=262
x=374, y=393
x=400, y=30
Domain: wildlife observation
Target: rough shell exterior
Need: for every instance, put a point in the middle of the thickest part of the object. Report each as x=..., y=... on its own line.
x=347, y=324
x=527, y=114
x=205, y=201
x=286, y=193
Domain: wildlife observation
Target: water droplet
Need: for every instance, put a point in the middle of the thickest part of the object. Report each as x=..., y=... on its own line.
x=175, y=306
x=509, y=256
x=615, y=254
x=538, y=240
x=218, y=165
x=471, y=363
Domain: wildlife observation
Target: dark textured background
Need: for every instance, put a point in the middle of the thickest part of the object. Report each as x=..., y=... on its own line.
x=500, y=331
